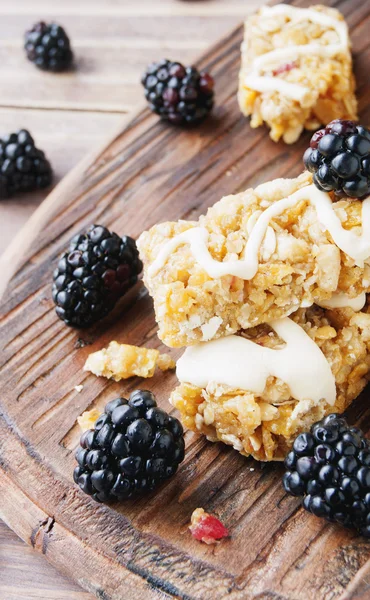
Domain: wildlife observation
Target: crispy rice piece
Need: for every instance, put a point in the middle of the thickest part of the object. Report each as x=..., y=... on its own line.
x=265, y=426
x=306, y=266
x=121, y=361
x=329, y=80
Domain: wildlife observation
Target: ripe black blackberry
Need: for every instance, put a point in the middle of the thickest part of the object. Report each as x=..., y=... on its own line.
x=48, y=47
x=23, y=167
x=97, y=269
x=339, y=157
x=133, y=447
x=181, y=95
x=330, y=468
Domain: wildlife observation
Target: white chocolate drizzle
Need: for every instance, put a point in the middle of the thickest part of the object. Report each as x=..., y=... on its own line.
x=245, y=365
x=341, y=300
x=256, y=80
x=354, y=245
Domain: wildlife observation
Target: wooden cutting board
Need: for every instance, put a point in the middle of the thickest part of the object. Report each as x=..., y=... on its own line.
x=142, y=550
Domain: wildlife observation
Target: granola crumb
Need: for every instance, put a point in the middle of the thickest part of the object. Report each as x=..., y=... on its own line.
x=79, y=388
x=165, y=362
x=207, y=528
x=121, y=361
x=87, y=419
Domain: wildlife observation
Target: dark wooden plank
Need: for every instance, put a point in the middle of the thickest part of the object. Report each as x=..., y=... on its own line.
x=151, y=172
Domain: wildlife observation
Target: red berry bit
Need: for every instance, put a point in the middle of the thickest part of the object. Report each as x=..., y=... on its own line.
x=177, y=70
x=206, y=83
x=170, y=96
x=123, y=273
x=341, y=127
x=316, y=138
x=207, y=528
x=109, y=278
x=285, y=68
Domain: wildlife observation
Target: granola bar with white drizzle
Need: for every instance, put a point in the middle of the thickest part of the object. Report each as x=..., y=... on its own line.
x=254, y=257
x=296, y=70
x=299, y=374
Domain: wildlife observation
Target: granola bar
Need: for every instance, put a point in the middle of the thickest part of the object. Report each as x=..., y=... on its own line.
x=264, y=425
x=241, y=264
x=296, y=70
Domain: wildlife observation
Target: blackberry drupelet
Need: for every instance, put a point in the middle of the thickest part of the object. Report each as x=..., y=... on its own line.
x=339, y=157
x=181, y=95
x=23, y=167
x=133, y=447
x=48, y=47
x=98, y=268
x=330, y=468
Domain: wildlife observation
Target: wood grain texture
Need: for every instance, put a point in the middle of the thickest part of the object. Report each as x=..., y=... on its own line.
x=113, y=40
x=68, y=135
x=151, y=172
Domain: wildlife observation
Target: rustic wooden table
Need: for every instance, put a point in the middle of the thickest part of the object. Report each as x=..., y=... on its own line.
x=68, y=114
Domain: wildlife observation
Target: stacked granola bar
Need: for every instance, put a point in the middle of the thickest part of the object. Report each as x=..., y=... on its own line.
x=301, y=264
x=267, y=291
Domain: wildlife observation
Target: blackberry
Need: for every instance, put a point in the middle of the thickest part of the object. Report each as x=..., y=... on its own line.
x=133, y=447
x=339, y=157
x=48, y=47
x=97, y=269
x=330, y=468
x=181, y=95
x=23, y=167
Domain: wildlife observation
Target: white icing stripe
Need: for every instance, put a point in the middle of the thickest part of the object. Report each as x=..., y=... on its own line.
x=357, y=247
x=308, y=14
x=267, y=84
x=262, y=83
x=275, y=57
x=341, y=300
x=243, y=364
